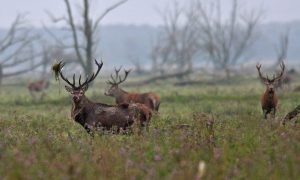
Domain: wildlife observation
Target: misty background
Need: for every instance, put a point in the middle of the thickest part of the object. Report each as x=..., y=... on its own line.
x=128, y=34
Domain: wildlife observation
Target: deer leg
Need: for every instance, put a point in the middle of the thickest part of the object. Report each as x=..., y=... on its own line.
x=157, y=107
x=42, y=96
x=90, y=131
x=33, y=95
x=273, y=112
x=265, y=113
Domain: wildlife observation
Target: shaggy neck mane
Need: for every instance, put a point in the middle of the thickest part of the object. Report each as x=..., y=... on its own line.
x=121, y=91
x=84, y=101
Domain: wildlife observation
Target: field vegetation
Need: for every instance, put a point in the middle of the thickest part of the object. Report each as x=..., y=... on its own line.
x=220, y=127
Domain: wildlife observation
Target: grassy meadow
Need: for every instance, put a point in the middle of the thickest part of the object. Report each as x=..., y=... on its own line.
x=217, y=126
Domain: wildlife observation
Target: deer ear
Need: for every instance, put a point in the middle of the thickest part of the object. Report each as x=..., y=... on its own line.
x=68, y=88
x=85, y=88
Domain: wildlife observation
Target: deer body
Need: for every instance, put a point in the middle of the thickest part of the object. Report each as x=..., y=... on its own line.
x=150, y=99
x=38, y=86
x=269, y=99
x=96, y=115
x=93, y=115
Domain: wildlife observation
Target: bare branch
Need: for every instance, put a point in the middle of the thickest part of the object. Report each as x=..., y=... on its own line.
x=74, y=32
x=112, y=7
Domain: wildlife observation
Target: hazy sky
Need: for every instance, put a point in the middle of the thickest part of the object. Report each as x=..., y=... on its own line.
x=134, y=11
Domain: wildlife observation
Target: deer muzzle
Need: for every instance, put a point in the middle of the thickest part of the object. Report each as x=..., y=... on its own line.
x=76, y=98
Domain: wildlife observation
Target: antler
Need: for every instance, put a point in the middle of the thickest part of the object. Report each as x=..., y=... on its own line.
x=93, y=76
x=64, y=78
x=88, y=79
x=258, y=66
x=117, y=79
x=282, y=66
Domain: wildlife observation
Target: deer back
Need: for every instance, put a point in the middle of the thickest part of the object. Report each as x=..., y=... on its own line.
x=151, y=100
x=95, y=115
x=38, y=85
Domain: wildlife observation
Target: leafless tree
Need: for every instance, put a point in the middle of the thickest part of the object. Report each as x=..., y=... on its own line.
x=17, y=52
x=282, y=48
x=281, y=51
x=177, y=43
x=224, y=40
x=85, y=31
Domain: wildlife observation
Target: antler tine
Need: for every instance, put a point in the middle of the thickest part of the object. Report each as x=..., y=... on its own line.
x=94, y=75
x=282, y=65
x=125, y=77
x=258, y=67
x=117, y=71
x=114, y=79
x=64, y=78
x=74, y=79
x=80, y=80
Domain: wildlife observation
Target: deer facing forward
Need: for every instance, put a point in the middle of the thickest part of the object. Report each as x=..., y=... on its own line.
x=269, y=99
x=150, y=99
x=93, y=115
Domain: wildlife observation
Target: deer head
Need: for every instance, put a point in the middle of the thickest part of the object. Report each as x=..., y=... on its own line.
x=115, y=81
x=77, y=92
x=270, y=83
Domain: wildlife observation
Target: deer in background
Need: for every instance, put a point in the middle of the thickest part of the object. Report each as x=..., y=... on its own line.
x=93, y=115
x=287, y=79
x=38, y=86
x=150, y=99
x=269, y=99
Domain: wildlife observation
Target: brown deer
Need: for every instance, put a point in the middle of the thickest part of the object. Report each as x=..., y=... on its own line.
x=38, y=86
x=287, y=79
x=269, y=99
x=150, y=99
x=93, y=115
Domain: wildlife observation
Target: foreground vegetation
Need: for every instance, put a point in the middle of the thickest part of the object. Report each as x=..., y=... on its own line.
x=219, y=126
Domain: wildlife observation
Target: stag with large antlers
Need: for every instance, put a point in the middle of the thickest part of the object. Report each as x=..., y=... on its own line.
x=98, y=115
x=150, y=99
x=269, y=99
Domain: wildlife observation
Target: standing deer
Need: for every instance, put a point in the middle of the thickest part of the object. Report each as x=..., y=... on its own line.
x=269, y=99
x=287, y=79
x=93, y=115
x=150, y=99
x=38, y=86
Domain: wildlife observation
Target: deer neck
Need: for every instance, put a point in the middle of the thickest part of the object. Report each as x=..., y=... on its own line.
x=120, y=93
x=270, y=94
x=76, y=106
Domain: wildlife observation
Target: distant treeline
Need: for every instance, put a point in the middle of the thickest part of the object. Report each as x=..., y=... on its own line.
x=124, y=44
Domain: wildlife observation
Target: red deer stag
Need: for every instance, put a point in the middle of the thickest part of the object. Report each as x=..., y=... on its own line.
x=150, y=99
x=269, y=99
x=93, y=115
x=38, y=86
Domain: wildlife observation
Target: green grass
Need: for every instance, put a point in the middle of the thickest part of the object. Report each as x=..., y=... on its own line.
x=223, y=128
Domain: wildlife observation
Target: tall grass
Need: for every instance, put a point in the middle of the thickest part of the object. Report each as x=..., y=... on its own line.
x=219, y=126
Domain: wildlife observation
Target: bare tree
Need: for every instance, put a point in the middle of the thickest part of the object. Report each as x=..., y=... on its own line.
x=282, y=48
x=86, y=30
x=177, y=43
x=17, y=52
x=224, y=40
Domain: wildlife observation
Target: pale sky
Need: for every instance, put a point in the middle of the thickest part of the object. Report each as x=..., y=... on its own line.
x=136, y=12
